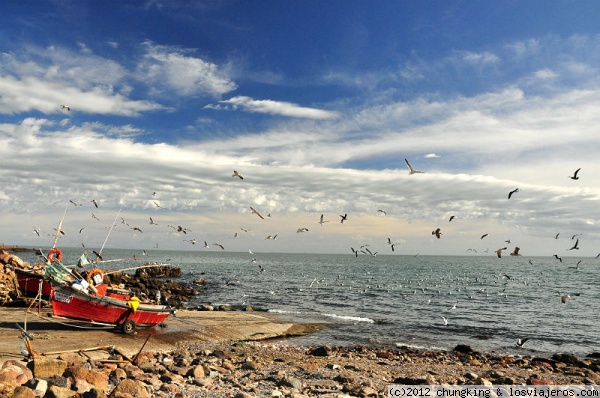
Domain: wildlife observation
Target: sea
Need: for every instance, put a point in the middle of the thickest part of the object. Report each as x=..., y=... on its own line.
x=424, y=302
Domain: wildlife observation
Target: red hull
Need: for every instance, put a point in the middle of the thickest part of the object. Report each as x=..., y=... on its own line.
x=71, y=303
x=29, y=283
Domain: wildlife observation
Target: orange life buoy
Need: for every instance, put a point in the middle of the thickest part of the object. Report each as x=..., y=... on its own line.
x=54, y=254
x=91, y=276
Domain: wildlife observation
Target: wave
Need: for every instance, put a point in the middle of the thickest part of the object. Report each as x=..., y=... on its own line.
x=350, y=318
x=341, y=317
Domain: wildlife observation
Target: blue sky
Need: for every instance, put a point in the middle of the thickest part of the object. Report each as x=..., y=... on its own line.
x=316, y=104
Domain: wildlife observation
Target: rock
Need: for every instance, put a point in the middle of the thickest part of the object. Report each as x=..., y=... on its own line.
x=23, y=392
x=321, y=351
x=38, y=386
x=206, y=307
x=60, y=392
x=44, y=367
x=289, y=381
x=538, y=381
x=196, y=372
x=566, y=358
x=465, y=349
x=134, y=387
x=243, y=395
x=23, y=369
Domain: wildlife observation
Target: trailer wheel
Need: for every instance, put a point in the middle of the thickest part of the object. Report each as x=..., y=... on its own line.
x=128, y=327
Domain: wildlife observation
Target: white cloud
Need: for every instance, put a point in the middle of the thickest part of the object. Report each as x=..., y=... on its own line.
x=274, y=108
x=169, y=67
x=31, y=93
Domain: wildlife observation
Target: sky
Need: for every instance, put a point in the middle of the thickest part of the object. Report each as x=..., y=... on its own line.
x=148, y=107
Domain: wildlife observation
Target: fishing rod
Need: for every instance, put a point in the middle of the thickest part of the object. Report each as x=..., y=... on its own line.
x=109, y=231
x=59, y=228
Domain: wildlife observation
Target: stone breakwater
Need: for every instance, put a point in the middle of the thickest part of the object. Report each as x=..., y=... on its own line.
x=200, y=369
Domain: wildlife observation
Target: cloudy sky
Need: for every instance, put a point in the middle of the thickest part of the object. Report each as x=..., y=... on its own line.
x=148, y=107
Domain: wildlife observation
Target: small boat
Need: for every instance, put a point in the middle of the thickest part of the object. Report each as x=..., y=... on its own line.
x=87, y=298
x=29, y=284
x=128, y=315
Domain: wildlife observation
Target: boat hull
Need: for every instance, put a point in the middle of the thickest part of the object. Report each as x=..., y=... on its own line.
x=29, y=283
x=71, y=303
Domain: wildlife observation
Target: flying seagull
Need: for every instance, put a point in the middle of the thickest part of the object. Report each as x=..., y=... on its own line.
x=451, y=218
x=321, y=221
x=516, y=252
x=499, y=252
x=236, y=174
x=513, y=192
x=156, y=204
x=67, y=107
x=94, y=202
x=137, y=229
x=574, y=176
x=483, y=236
x=74, y=203
x=556, y=236
x=256, y=212
x=94, y=216
x=382, y=212
x=558, y=258
x=575, y=247
x=344, y=218
x=412, y=170
x=437, y=233
x=152, y=222
x=300, y=230
x=220, y=245
x=182, y=229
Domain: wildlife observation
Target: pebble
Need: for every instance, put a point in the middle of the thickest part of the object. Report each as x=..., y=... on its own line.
x=259, y=369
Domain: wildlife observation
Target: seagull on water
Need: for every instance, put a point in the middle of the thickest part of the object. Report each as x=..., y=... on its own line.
x=236, y=174
x=520, y=342
x=574, y=176
x=445, y=321
x=412, y=170
x=513, y=192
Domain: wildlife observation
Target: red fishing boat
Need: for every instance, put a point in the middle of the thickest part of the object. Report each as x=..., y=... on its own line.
x=128, y=315
x=29, y=284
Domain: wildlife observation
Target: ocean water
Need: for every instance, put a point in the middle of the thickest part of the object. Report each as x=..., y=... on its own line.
x=391, y=301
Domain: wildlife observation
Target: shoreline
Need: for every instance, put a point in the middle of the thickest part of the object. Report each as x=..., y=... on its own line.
x=248, y=354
